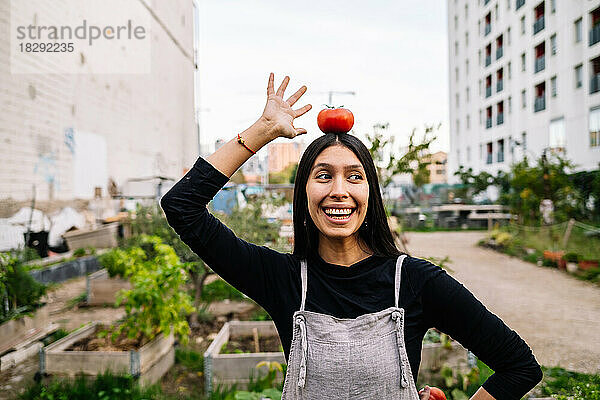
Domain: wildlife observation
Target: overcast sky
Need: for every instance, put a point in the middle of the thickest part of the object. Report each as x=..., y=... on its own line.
x=393, y=54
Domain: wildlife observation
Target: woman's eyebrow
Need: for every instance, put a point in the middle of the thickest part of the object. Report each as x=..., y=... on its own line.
x=347, y=167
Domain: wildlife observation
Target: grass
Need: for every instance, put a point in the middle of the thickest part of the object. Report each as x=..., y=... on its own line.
x=568, y=385
x=190, y=359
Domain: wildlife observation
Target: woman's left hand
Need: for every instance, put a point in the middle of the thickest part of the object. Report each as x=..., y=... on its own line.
x=424, y=393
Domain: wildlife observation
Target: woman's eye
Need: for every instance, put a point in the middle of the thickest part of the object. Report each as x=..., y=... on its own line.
x=323, y=175
x=356, y=176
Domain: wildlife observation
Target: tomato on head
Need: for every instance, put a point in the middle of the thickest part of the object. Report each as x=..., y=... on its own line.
x=335, y=120
x=436, y=394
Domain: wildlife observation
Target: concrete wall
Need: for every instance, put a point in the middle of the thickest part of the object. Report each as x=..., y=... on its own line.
x=144, y=121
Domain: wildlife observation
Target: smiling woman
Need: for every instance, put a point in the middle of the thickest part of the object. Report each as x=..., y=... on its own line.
x=351, y=310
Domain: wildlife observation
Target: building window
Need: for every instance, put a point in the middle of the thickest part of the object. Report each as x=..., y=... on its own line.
x=457, y=126
x=578, y=31
x=480, y=87
x=468, y=121
x=553, y=85
x=595, y=80
x=520, y=3
x=557, y=133
x=456, y=73
x=489, y=152
x=456, y=22
x=456, y=48
x=509, y=104
x=524, y=141
x=538, y=23
x=466, y=39
x=540, y=57
x=479, y=27
x=509, y=67
x=523, y=98
x=457, y=102
x=488, y=24
x=578, y=76
x=595, y=127
x=499, y=47
x=480, y=117
x=488, y=117
x=496, y=11
x=508, y=4
x=488, y=86
x=508, y=36
x=540, y=97
x=500, y=155
x=467, y=67
x=480, y=58
x=488, y=54
x=523, y=29
x=553, y=44
x=553, y=6
x=523, y=63
x=468, y=94
x=595, y=30
x=499, y=80
x=466, y=11
x=500, y=113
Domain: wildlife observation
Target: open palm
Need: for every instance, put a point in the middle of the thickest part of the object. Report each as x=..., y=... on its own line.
x=279, y=112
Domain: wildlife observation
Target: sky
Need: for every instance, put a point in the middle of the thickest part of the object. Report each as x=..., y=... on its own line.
x=392, y=54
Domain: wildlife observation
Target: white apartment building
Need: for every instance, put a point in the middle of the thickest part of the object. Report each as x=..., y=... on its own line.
x=524, y=79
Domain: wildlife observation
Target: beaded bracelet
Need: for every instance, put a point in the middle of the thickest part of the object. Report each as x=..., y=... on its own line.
x=241, y=141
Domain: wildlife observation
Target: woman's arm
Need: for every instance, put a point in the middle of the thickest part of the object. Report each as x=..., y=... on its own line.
x=453, y=309
x=254, y=270
x=277, y=120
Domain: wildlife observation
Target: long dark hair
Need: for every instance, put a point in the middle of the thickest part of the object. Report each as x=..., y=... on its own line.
x=376, y=234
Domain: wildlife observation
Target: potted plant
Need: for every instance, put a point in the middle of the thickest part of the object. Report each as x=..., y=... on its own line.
x=571, y=259
x=555, y=257
x=588, y=264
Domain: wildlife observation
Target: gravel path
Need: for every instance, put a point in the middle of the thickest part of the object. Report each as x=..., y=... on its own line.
x=556, y=314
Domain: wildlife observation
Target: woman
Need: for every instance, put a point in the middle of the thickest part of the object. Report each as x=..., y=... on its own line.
x=350, y=309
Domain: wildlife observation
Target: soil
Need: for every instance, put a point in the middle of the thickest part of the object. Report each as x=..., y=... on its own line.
x=245, y=344
x=555, y=313
x=95, y=343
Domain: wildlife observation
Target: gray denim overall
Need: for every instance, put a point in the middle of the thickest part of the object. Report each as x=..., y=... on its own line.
x=338, y=358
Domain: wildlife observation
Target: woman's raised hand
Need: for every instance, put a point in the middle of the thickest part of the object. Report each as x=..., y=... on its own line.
x=278, y=112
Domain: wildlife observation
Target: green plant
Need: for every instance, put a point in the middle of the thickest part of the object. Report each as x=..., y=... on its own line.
x=76, y=300
x=567, y=385
x=220, y=290
x=571, y=257
x=260, y=315
x=19, y=292
x=115, y=262
x=264, y=385
x=79, y=252
x=190, y=359
x=155, y=303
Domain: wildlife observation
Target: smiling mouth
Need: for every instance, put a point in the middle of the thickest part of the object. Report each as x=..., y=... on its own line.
x=338, y=214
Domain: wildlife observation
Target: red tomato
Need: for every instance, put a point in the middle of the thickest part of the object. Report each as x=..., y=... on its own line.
x=436, y=394
x=335, y=120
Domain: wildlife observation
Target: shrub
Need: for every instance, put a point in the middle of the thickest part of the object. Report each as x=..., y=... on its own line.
x=19, y=292
x=571, y=257
x=568, y=385
x=220, y=290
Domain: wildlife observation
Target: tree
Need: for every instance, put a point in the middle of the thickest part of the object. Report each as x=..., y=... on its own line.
x=414, y=160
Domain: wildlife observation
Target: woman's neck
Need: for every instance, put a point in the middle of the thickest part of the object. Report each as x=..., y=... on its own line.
x=344, y=251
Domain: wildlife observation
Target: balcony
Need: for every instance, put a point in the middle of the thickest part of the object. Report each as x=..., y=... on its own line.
x=489, y=159
x=488, y=122
x=520, y=3
x=488, y=91
x=500, y=119
x=540, y=104
x=488, y=29
x=540, y=64
x=500, y=157
x=499, y=52
x=488, y=60
x=595, y=84
x=595, y=35
x=499, y=85
x=538, y=25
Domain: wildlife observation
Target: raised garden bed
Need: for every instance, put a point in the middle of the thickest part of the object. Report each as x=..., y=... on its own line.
x=67, y=270
x=102, y=289
x=100, y=238
x=227, y=369
x=19, y=338
x=148, y=362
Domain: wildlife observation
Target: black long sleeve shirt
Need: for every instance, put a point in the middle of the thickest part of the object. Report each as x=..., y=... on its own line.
x=430, y=297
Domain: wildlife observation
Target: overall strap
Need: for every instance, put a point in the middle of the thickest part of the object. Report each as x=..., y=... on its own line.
x=303, y=274
x=398, y=277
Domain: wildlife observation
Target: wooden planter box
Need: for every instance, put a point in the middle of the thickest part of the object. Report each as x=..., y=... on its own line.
x=100, y=238
x=149, y=363
x=227, y=369
x=19, y=337
x=101, y=289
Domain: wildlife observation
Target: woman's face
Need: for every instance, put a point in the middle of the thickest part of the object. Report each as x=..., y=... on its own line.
x=337, y=192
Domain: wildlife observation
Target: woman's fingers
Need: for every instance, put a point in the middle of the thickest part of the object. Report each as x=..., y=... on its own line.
x=302, y=111
x=270, y=86
x=283, y=85
x=424, y=393
x=294, y=98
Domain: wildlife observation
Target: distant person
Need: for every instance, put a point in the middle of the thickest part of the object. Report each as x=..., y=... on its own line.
x=351, y=309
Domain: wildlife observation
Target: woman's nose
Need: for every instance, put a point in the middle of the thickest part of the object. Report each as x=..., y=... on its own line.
x=338, y=189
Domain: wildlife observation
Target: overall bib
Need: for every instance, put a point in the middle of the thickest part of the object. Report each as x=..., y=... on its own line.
x=339, y=358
